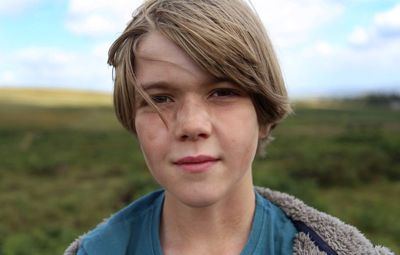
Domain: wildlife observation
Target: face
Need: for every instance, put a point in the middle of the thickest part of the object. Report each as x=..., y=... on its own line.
x=202, y=153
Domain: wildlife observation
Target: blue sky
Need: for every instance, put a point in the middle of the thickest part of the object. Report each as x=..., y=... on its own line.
x=325, y=47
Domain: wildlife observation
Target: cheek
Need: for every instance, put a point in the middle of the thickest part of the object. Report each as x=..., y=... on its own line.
x=240, y=131
x=245, y=142
x=150, y=136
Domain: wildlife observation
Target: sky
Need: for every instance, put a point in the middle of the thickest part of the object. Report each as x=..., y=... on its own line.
x=326, y=48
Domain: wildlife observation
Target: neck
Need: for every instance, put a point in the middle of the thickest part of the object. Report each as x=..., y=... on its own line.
x=219, y=228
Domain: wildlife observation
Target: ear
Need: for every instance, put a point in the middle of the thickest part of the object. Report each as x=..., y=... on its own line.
x=264, y=131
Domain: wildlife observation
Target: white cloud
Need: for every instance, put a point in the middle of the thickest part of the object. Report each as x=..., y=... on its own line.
x=101, y=50
x=97, y=18
x=291, y=22
x=92, y=25
x=385, y=28
x=369, y=62
x=7, y=77
x=326, y=69
x=8, y=7
x=388, y=23
x=359, y=36
x=55, y=67
x=51, y=56
x=324, y=48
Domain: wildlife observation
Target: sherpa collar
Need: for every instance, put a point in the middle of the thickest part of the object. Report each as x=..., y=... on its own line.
x=341, y=237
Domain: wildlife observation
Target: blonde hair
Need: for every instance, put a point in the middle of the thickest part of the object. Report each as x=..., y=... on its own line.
x=225, y=37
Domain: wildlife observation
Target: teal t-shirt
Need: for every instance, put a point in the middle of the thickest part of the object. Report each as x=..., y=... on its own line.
x=135, y=230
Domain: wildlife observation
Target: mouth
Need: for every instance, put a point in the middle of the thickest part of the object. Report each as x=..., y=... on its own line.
x=196, y=164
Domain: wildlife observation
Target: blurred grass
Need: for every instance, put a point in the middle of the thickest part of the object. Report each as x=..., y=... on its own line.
x=65, y=168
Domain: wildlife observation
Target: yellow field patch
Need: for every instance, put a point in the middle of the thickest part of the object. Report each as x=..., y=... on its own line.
x=317, y=103
x=54, y=97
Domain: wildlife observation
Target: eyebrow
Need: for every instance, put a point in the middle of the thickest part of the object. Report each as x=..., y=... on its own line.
x=170, y=86
x=157, y=85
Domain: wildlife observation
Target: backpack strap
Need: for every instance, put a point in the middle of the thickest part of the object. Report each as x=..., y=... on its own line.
x=315, y=238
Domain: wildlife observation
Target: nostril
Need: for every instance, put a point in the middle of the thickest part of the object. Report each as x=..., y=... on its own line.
x=193, y=132
x=193, y=136
x=203, y=135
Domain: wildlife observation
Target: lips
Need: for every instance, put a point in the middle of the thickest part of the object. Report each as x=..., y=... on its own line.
x=196, y=164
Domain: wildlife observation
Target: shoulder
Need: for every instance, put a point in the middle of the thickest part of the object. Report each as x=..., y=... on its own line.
x=341, y=237
x=118, y=227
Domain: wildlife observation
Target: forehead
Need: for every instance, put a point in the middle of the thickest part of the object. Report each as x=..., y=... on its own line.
x=156, y=47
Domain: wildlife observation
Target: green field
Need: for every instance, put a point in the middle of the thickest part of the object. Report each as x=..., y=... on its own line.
x=66, y=164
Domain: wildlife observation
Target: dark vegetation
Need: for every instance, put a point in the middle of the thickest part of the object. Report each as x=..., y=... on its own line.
x=64, y=169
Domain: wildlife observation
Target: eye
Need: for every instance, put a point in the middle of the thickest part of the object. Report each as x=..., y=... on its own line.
x=161, y=99
x=225, y=92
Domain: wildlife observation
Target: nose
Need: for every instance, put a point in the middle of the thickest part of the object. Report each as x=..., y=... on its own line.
x=192, y=120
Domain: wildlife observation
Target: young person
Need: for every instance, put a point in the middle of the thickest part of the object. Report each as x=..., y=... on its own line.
x=198, y=83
